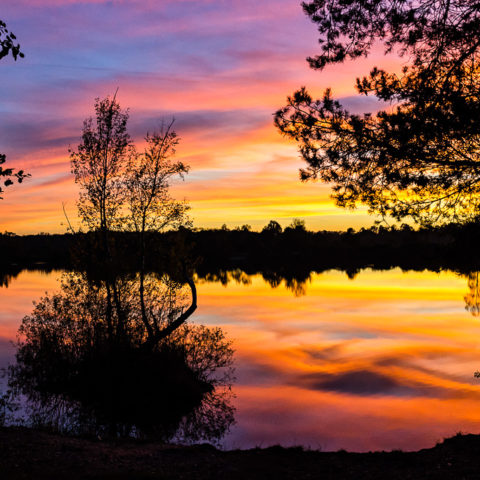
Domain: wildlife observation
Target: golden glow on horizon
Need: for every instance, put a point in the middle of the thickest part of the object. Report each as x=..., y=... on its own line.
x=242, y=170
x=254, y=194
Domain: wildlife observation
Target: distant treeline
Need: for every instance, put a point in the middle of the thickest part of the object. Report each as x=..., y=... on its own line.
x=293, y=251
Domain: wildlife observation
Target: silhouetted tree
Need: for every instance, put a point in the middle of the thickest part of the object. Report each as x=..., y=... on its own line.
x=99, y=165
x=8, y=43
x=10, y=174
x=8, y=46
x=297, y=225
x=244, y=228
x=420, y=158
x=273, y=228
x=122, y=189
x=148, y=177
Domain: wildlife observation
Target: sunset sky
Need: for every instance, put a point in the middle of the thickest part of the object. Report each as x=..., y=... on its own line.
x=220, y=67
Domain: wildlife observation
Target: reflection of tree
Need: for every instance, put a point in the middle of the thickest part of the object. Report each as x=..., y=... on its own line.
x=225, y=277
x=82, y=373
x=6, y=276
x=10, y=272
x=294, y=283
x=112, y=353
x=472, y=299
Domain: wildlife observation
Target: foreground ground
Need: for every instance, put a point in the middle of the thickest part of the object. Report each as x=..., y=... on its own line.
x=27, y=454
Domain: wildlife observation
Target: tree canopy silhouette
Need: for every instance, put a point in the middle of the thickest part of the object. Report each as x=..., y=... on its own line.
x=121, y=188
x=419, y=157
x=8, y=43
x=10, y=174
x=8, y=46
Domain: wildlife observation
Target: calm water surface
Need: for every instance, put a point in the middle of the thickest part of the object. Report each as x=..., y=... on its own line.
x=381, y=362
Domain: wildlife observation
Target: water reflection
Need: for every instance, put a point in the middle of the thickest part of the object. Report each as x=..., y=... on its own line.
x=472, y=299
x=384, y=361
x=8, y=273
x=295, y=282
x=96, y=358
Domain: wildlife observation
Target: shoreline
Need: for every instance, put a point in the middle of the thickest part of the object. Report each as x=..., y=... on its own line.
x=33, y=454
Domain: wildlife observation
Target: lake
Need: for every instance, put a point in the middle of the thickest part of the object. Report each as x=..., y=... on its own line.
x=379, y=362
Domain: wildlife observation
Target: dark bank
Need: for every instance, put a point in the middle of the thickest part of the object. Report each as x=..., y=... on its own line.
x=27, y=454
